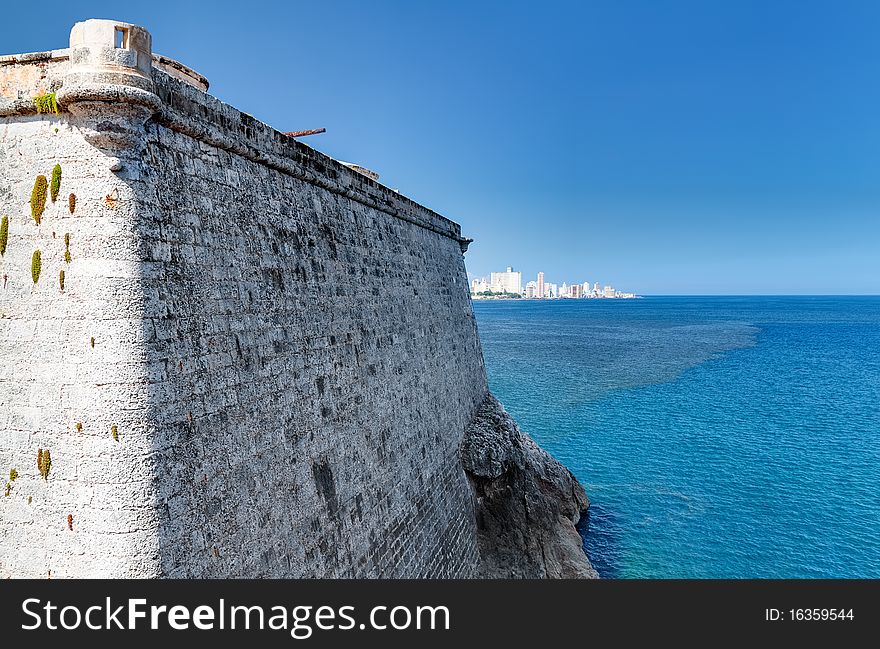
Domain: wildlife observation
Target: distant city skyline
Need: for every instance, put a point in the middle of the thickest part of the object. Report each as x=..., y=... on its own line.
x=510, y=283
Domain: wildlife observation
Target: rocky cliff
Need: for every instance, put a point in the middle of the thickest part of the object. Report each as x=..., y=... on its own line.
x=527, y=503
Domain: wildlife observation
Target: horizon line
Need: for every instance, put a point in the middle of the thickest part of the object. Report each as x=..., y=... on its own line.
x=642, y=295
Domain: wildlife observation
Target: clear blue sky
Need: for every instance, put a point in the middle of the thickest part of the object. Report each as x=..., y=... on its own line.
x=665, y=147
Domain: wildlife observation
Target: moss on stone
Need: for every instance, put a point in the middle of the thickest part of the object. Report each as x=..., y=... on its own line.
x=71, y=203
x=46, y=103
x=55, y=186
x=114, y=433
x=61, y=279
x=93, y=342
x=38, y=198
x=4, y=234
x=13, y=474
x=36, y=265
x=79, y=427
x=44, y=462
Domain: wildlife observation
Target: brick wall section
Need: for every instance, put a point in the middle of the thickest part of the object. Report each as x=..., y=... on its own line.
x=287, y=348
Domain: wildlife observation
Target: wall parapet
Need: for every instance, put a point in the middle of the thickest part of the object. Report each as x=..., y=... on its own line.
x=203, y=117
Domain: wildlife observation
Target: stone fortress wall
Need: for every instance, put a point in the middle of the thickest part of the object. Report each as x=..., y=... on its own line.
x=237, y=358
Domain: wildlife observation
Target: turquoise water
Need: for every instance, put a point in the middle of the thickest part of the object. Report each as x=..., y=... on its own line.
x=715, y=436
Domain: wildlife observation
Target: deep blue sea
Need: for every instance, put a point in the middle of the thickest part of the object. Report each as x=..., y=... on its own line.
x=715, y=436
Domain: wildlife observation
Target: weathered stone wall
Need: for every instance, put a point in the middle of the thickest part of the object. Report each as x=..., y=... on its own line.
x=52, y=377
x=316, y=365
x=286, y=350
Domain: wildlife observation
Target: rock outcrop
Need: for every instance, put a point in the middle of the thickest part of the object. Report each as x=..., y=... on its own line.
x=527, y=503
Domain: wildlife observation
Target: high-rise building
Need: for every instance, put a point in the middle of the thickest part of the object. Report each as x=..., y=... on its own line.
x=609, y=291
x=596, y=290
x=531, y=290
x=510, y=281
x=574, y=291
x=563, y=290
x=540, y=285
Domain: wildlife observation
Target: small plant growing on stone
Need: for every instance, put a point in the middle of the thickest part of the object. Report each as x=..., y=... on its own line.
x=47, y=464
x=93, y=342
x=71, y=203
x=36, y=265
x=30, y=499
x=4, y=234
x=38, y=198
x=46, y=103
x=79, y=427
x=8, y=489
x=44, y=462
x=67, y=256
x=70, y=522
x=13, y=474
x=61, y=279
x=114, y=433
x=55, y=186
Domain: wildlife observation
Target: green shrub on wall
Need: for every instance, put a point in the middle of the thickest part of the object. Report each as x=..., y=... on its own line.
x=36, y=265
x=38, y=198
x=55, y=187
x=46, y=103
x=4, y=234
x=44, y=462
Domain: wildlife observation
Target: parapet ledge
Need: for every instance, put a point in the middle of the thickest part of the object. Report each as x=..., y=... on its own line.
x=196, y=113
x=35, y=57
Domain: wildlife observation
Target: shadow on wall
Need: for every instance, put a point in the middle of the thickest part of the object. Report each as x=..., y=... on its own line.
x=309, y=404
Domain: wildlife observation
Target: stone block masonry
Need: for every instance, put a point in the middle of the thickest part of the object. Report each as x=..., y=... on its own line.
x=260, y=364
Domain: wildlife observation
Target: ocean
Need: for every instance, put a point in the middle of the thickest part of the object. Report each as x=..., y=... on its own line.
x=717, y=437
